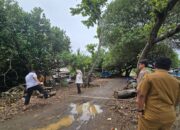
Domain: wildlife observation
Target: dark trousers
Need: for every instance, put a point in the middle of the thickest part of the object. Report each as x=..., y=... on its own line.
x=79, y=88
x=29, y=92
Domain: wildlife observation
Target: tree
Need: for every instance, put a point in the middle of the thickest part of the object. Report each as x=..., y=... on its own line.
x=91, y=48
x=29, y=39
x=163, y=50
x=93, y=9
x=123, y=57
x=160, y=14
x=79, y=61
x=125, y=32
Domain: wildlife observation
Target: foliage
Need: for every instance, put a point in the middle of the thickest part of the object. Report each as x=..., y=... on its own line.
x=126, y=29
x=92, y=9
x=81, y=61
x=164, y=50
x=160, y=13
x=123, y=33
x=28, y=39
x=91, y=48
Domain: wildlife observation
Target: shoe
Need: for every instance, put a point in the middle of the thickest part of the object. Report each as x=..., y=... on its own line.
x=25, y=107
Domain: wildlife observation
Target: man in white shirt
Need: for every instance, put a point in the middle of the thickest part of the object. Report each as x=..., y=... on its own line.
x=32, y=83
x=79, y=80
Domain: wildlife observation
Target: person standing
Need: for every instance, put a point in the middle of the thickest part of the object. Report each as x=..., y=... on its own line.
x=79, y=80
x=32, y=83
x=157, y=97
x=143, y=64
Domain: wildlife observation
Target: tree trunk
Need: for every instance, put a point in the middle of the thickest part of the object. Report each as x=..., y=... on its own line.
x=125, y=94
x=145, y=52
x=95, y=62
x=22, y=58
x=159, y=20
x=97, y=54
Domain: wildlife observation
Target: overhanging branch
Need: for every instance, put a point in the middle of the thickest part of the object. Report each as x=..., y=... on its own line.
x=168, y=34
x=160, y=18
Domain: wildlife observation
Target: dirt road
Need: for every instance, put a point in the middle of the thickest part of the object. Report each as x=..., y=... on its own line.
x=89, y=111
x=94, y=109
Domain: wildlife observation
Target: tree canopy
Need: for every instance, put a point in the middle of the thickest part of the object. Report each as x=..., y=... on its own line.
x=126, y=30
x=29, y=39
x=92, y=9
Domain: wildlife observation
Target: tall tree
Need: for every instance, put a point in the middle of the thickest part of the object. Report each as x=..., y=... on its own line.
x=123, y=33
x=161, y=10
x=29, y=39
x=93, y=9
x=126, y=29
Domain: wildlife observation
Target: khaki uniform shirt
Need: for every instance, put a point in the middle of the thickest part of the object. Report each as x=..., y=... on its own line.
x=162, y=94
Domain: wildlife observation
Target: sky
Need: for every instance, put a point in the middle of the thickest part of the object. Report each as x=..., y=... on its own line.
x=58, y=11
x=59, y=14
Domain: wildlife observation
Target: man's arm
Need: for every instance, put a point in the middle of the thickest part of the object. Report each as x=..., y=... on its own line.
x=140, y=101
x=178, y=98
x=36, y=79
x=142, y=93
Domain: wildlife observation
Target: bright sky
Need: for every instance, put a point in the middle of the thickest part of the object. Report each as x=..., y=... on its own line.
x=59, y=14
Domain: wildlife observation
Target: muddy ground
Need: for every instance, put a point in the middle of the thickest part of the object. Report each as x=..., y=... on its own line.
x=94, y=109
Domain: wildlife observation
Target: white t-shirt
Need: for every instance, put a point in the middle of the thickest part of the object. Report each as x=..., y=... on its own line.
x=79, y=79
x=30, y=80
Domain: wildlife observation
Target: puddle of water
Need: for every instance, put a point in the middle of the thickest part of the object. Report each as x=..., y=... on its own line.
x=79, y=112
x=85, y=112
x=64, y=122
x=85, y=108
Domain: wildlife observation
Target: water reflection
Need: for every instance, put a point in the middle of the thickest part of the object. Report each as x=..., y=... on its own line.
x=80, y=113
x=85, y=111
x=64, y=122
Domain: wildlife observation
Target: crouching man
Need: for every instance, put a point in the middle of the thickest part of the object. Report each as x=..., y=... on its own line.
x=32, y=83
x=158, y=95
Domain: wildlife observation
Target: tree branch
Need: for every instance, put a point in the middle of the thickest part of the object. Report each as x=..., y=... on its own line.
x=168, y=34
x=160, y=18
x=171, y=4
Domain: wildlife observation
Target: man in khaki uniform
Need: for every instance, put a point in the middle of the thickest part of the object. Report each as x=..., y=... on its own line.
x=158, y=95
x=143, y=70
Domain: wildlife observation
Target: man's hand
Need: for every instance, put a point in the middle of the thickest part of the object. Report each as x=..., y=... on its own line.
x=40, y=83
x=140, y=113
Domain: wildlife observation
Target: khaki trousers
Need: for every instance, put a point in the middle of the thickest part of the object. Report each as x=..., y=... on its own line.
x=144, y=124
